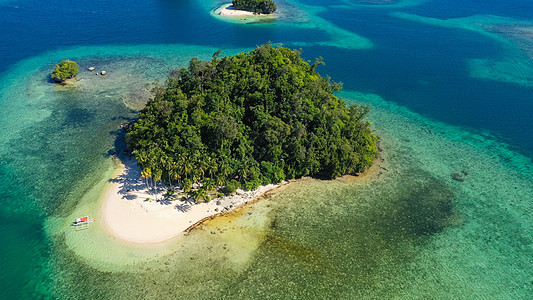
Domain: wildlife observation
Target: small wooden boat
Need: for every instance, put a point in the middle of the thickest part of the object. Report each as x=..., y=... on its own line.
x=82, y=223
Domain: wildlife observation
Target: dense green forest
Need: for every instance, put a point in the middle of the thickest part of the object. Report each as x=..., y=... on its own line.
x=256, y=6
x=247, y=120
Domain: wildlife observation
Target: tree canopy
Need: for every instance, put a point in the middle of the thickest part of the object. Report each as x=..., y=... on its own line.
x=256, y=6
x=64, y=70
x=250, y=119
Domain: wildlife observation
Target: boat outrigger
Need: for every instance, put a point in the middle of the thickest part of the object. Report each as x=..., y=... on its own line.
x=82, y=223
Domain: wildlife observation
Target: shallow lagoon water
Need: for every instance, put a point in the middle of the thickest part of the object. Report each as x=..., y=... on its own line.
x=414, y=232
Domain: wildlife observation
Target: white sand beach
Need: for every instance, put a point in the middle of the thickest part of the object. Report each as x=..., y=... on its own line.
x=128, y=216
x=229, y=10
x=229, y=13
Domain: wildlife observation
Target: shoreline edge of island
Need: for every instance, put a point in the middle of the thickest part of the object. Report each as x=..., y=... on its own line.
x=128, y=217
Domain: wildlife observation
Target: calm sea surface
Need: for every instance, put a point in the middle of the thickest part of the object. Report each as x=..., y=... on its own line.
x=450, y=85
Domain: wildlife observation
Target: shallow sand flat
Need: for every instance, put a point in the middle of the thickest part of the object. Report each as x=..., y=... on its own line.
x=128, y=216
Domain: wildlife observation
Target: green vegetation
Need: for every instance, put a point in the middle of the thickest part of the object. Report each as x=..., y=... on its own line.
x=256, y=6
x=65, y=70
x=248, y=120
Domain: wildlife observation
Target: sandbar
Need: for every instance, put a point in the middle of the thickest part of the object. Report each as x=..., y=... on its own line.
x=128, y=216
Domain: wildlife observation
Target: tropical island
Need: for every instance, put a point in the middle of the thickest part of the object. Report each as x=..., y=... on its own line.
x=235, y=123
x=64, y=70
x=247, y=10
x=248, y=120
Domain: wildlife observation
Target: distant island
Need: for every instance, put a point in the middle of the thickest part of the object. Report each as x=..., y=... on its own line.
x=64, y=70
x=248, y=11
x=255, y=6
x=248, y=120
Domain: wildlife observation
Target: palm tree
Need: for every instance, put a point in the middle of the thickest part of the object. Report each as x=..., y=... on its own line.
x=225, y=169
x=169, y=165
x=211, y=165
x=146, y=173
x=180, y=166
x=173, y=173
x=202, y=166
x=243, y=169
x=156, y=178
x=199, y=195
x=187, y=165
x=208, y=184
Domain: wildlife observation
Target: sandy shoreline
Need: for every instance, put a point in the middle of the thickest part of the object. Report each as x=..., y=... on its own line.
x=128, y=216
x=227, y=10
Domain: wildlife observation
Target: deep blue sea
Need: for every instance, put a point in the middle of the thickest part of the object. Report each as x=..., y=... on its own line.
x=450, y=86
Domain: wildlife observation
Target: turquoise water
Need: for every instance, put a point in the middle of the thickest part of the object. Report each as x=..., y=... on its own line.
x=450, y=87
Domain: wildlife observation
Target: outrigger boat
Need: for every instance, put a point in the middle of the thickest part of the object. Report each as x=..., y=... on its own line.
x=82, y=223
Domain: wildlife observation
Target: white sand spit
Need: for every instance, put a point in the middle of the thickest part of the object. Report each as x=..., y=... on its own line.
x=229, y=10
x=128, y=216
